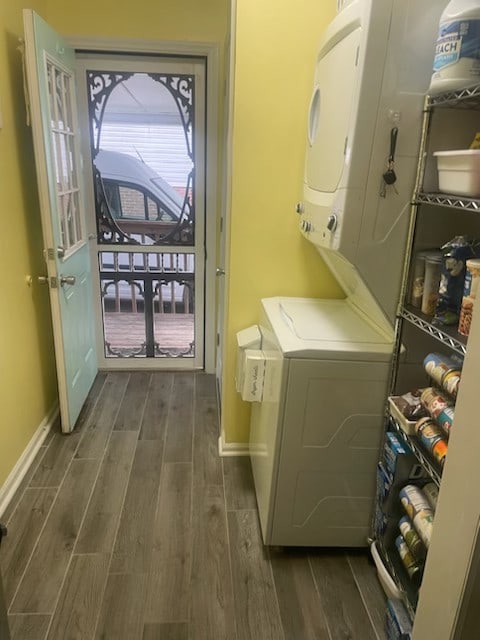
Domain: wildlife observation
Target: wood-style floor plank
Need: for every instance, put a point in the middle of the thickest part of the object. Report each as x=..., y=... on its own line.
x=51, y=556
x=130, y=414
x=23, y=532
x=168, y=596
x=98, y=530
x=121, y=617
x=54, y=464
x=80, y=598
x=341, y=600
x=239, y=487
x=373, y=595
x=300, y=609
x=28, y=627
x=102, y=418
x=178, y=443
x=92, y=398
x=18, y=495
x=207, y=465
x=212, y=610
x=133, y=545
x=3, y=613
x=174, y=631
x=155, y=416
x=256, y=608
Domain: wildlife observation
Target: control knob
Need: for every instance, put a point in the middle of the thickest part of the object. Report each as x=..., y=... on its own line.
x=299, y=208
x=332, y=222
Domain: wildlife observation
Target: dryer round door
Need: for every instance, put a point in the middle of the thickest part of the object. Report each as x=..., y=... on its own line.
x=336, y=77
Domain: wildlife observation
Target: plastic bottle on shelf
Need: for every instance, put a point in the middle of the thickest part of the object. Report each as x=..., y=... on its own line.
x=457, y=54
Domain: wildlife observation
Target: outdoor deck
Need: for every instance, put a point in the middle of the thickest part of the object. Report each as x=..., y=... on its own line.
x=173, y=332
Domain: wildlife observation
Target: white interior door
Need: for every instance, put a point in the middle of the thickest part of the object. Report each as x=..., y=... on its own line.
x=51, y=87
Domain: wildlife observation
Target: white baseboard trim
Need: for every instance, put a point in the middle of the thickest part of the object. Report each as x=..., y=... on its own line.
x=226, y=449
x=18, y=472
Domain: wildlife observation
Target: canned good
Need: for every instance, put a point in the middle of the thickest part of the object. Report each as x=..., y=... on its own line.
x=433, y=401
x=431, y=491
x=414, y=500
x=438, y=407
x=445, y=419
x=437, y=365
x=412, y=538
x=423, y=523
x=444, y=371
x=451, y=381
x=428, y=432
x=412, y=565
x=439, y=451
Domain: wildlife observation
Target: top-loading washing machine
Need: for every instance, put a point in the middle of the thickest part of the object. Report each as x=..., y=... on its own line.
x=317, y=423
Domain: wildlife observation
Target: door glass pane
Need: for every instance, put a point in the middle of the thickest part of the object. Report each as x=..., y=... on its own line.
x=64, y=144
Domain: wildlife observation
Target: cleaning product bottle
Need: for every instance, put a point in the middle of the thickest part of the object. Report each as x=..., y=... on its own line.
x=457, y=54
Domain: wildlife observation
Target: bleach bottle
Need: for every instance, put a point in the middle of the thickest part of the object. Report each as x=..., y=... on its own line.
x=457, y=54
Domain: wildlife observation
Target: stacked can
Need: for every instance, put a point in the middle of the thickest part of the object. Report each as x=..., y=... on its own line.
x=439, y=408
x=412, y=539
x=444, y=371
x=419, y=511
x=431, y=492
x=413, y=567
x=432, y=438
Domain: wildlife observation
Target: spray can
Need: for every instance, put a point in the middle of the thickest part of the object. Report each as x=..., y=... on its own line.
x=457, y=53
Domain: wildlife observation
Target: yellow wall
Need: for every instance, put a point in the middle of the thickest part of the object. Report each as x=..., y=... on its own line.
x=28, y=382
x=27, y=370
x=182, y=20
x=276, y=45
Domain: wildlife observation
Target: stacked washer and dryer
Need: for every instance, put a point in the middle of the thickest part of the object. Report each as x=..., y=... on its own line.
x=317, y=370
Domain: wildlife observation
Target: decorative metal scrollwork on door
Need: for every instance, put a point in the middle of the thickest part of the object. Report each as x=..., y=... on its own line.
x=167, y=226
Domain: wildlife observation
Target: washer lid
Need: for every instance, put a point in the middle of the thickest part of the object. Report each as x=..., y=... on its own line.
x=314, y=328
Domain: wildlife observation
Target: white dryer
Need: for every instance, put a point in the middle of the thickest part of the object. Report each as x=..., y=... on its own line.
x=316, y=429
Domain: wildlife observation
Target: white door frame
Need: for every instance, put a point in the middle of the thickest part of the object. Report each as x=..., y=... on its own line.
x=226, y=196
x=208, y=51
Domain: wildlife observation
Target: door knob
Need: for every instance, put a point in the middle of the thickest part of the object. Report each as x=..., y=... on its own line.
x=67, y=280
x=61, y=252
x=219, y=271
x=42, y=279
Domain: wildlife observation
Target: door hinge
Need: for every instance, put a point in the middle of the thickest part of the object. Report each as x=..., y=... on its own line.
x=218, y=339
x=221, y=225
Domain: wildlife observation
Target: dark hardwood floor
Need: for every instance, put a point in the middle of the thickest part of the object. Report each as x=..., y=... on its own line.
x=133, y=528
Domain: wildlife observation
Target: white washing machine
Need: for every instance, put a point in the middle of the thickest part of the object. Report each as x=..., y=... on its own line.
x=317, y=423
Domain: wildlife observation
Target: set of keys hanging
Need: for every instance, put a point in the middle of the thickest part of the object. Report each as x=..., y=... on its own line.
x=389, y=177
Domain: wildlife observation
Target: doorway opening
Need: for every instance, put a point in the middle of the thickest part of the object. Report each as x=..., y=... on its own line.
x=145, y=118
